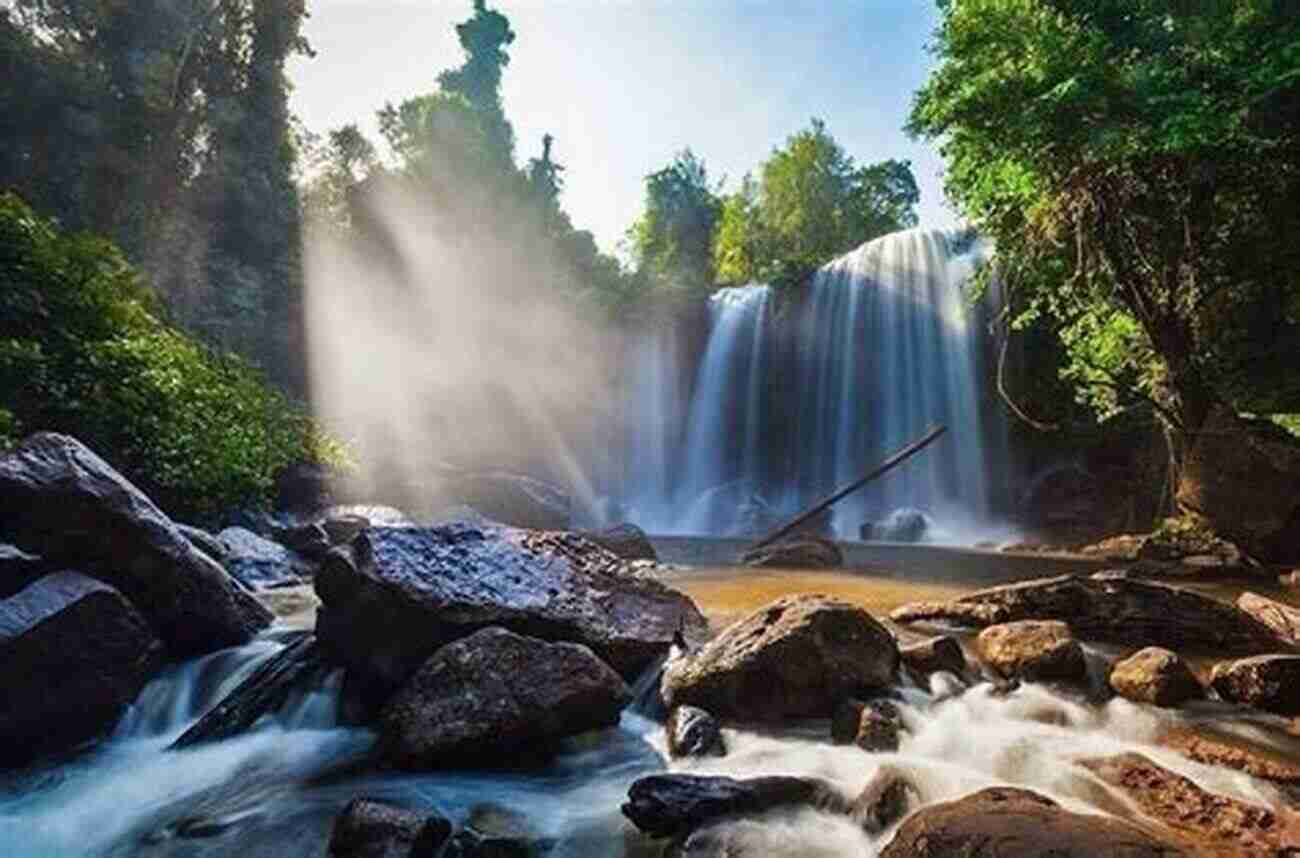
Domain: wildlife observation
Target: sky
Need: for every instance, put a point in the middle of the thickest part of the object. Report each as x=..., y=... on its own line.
x=624, y=85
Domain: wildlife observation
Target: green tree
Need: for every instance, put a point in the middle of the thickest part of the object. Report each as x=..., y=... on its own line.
x=485, y=37
x=1137, y=165
x=672, y=239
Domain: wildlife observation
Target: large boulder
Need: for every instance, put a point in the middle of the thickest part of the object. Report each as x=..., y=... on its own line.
x=397, y=594
x=1268, y=682
x=1110, y=608
x=512, y=499
x=1032, y=650
x=1004, y=822
x=374, y=829
x=798, y=656
x=74, y=653
x=496, y=693
x=206, y=542
x=66, y=504
x=261, y=564
x=1281, y=618
x=624, y=540
x=796, y=553
x=901, y=525
x=1156, y=676
x=18, y=569
x=672, y=805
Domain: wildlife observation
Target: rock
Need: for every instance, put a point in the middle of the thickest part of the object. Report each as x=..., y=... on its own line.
x=798, y=656
x=933, y=655
x=872, y=726
x=400, y=593
x=796, y=554
x=1156, y=676
x=342, y=529
x=884, y=800
x=625, y=540
x=1268, y=682
x=204, y=541
x=692, y=732
x=304, y=487
x=261, y=564
x=1281, y=618
x=1290, y=580
x=901, y=525
x=1033, y=651
x=1189, y=540
x=64, y=503
x=1004, y=822
x=513, y=499
x=309, y=540
x=374, y=829
x=493, y=831
x=1121, y=548
x=1226, y=825
x=495, y=693
x=263, y=692
x=671, y=805
x=74, y=653
x=1233, y=752
x=18, y=569
x=1110, y=608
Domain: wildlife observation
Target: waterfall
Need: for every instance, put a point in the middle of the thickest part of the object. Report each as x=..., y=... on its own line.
x=787, y=406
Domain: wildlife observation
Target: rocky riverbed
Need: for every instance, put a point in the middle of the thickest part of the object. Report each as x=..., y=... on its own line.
x=353, y=684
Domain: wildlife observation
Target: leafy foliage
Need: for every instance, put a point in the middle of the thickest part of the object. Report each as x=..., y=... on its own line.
x=671, y=241
x=82, y=351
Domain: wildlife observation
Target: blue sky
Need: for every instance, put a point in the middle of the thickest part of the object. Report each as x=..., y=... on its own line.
x=624, y=85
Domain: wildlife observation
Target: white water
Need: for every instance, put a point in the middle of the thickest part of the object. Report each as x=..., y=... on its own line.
x=784, y=410
x=275, y=792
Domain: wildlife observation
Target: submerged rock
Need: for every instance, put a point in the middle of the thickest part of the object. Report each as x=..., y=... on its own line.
x=672, y=805
x=1004, y=822
x=693, y=732
x=74, y=653
x=1268, y=682
x=884, y=800
x=802, y=553
x=493, y=831
x=66, y=504
x=1032, y=650
x=1281, y=618
x=625, y=540
x=1157, y=676
x=400, y=593
x=495, y=693
x=1110, y=608
x=261, y=564
x=798, y=656
x=374, y=829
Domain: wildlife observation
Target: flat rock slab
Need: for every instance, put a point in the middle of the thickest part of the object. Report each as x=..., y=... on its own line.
x=1268, y=682
x=798, y=656
x=398, y=594
x=66, y=504
x=1110, y=608
x=493, y=694
x=74, y=653
x=1004, y=822
x=672, y=805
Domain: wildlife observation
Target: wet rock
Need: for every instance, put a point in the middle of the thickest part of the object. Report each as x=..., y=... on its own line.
x=1281, y=618
x=693, y=732
x=495, y=693
x=1232, y=752
x=1157, y=676
x=884, y=800
x=512, y=499
x=18, y=569
x=206, y=542
x=873, y=725
x=267, y=688
x=796, y=554
x=493, y=831
x=672, y=805
x=1225, y=825
x=798, y=656
x=262, y=564
x=1032, y=650
x=933, y=655
x=1004, y=822
x=74, y=653
x=901, y=525
x=1268, y=682
x=625, y=540
x=309, y=540
x=342, y=529
x=67, y=505
x=374, y=829
x=400, y=593
x=1110, y=608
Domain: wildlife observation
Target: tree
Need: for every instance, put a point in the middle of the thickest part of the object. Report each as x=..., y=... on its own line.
x=485, y=38
x=1137, y=165
x=671, y=241
x=811, y=203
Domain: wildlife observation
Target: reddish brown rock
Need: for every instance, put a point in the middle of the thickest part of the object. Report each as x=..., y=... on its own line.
x=1268, y=682
x=1234, y=753
x=1281, y=618
x=872, y=726
x=797, y=554
x=1157, y=676
x=942, y=653
x=1033, y=651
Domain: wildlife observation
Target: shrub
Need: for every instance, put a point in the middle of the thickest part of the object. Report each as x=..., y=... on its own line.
x=83, y=351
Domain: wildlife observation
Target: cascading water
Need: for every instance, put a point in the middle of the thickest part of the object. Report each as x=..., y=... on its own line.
x=787, y=406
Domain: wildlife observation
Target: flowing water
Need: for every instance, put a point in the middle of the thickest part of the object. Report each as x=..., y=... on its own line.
x=789, y=403
x=275, y=791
